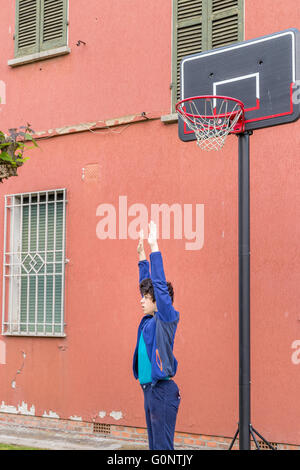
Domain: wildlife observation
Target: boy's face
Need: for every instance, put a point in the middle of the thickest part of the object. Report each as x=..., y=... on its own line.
x=148, y=306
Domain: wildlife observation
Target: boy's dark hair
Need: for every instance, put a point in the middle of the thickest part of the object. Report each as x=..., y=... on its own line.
x=146, y=287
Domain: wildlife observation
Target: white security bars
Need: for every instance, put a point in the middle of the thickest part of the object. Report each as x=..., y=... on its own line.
x=34, y=264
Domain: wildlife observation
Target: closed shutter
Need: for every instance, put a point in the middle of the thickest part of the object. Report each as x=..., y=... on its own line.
x=225, y=22
x=200, y=25
x=40, y=25
x=53, y=24
x=42, y=265
x=187, y=25
x=27, y=27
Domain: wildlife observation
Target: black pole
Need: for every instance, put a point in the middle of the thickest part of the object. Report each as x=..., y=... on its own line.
x=245, y=430
x=244, y=292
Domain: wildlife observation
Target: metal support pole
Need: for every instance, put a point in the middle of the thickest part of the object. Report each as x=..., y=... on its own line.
x=245, y=430
x=244, y=292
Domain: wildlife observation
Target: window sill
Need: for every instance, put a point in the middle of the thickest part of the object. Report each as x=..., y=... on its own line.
x=169, y=118
x=27, y=59
x=40, y=335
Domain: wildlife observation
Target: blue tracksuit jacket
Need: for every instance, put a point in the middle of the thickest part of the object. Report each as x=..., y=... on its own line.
x=159, y=329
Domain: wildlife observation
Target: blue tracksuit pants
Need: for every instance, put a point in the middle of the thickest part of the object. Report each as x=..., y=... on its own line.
x=161, y=404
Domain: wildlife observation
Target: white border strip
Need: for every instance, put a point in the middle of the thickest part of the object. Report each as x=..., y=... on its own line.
x=236, y=79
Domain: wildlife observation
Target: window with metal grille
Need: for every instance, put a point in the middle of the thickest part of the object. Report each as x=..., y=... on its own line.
x=200, y=25
x=40, y=25
x=34, y=264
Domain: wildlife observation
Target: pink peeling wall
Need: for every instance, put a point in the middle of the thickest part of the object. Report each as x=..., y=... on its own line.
x=125, y=68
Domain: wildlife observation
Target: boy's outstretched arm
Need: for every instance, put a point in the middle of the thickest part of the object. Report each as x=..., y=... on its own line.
x=164, y=304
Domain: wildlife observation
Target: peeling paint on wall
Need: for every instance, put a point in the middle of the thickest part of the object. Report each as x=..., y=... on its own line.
x=51, y=414
x=102, y=414
x=8, y=408
x=100, y=124
x=75, y=418
x=21, y=409
x=116, y=415
x=76, y=128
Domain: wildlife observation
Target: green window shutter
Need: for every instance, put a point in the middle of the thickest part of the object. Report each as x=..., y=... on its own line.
x=27, y=27
x=225, y=22
x=53, y=24
x=187, y=29
x=40, y=25
x=201, y=25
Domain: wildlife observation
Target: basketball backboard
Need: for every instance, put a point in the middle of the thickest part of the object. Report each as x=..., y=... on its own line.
x=263, y=73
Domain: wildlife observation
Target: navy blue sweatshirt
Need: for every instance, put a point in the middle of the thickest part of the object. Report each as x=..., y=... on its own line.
x=158, y=329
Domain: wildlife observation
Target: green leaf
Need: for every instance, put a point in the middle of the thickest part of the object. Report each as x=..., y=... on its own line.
x=6, y=157
x=12, y=146
x=29, y=148
x=29, y=137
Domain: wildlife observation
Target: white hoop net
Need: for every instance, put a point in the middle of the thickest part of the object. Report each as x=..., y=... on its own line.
x=211, y=118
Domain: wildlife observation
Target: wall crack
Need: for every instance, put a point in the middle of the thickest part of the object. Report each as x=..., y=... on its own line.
x=13, y=382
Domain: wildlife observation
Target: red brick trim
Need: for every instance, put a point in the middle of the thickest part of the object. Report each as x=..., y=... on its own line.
x=182, y=440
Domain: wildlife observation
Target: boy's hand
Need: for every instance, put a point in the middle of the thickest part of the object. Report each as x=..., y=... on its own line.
x=152, y=239
x=140, y=248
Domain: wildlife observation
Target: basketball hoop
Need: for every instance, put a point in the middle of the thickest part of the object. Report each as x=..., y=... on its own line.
x=212, y=118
